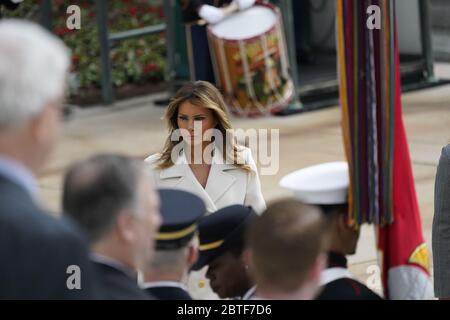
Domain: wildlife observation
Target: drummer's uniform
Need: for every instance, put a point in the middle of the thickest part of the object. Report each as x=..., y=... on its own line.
x=200, y=63
x=339, y=284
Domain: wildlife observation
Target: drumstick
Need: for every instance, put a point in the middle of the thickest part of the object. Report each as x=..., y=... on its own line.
x=228, y=10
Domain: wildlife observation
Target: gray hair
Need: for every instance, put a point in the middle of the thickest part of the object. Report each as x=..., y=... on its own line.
x=168, y=259
x=171, y=261
x=96, y=190
x=33, y=70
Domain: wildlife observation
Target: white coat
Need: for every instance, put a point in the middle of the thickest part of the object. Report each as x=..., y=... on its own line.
x=226, y=185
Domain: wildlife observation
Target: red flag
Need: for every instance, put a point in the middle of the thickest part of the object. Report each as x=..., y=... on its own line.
x=404, y=256
x=381, y=181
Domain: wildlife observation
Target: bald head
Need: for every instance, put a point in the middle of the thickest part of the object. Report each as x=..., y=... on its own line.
x=97, y=189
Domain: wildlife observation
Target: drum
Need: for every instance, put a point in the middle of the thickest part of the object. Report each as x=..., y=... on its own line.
x=250, y=61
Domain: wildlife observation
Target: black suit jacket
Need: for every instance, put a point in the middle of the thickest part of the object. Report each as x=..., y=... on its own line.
x=347, y=289
x=37, y=249
x=168, y=293
x=115, y=284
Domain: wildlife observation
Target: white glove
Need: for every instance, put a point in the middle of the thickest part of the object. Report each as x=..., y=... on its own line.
x=211, y=14
x=244, y=4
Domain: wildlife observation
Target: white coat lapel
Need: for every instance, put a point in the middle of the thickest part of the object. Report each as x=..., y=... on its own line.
x=178, y=170
x=219, y=180
x=187, y=180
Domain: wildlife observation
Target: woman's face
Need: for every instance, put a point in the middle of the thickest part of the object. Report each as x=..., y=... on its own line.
x=196, y=121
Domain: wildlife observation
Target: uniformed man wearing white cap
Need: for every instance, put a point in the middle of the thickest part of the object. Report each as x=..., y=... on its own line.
x=326, y=185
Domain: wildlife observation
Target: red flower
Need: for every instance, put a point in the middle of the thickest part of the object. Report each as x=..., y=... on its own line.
x=86, y=4
x=149, y=67
x=133, y=10
x=161, y=12
x=60, y=31
x=152, y=9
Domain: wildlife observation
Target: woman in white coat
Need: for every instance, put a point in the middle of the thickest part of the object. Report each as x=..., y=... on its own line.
x=201, y=156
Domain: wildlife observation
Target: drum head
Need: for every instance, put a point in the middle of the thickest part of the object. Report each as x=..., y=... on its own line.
x=245, y=24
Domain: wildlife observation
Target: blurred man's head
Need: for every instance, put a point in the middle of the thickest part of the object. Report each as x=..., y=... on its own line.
x=222, y=249
x=287, y=244
x=33, y=72
x=112, y=199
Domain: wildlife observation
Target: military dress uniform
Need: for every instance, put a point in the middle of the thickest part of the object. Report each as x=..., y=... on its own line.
x=339, y=284
x=219, y=233
x=327, y=185
x=167, y=290
x=180, y=211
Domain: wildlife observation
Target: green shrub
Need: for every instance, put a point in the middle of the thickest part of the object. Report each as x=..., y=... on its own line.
x=139, y=60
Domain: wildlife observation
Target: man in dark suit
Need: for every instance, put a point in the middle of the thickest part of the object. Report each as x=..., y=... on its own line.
x=326, y=186
x=112, y=199
x=176, y=249
x=41, y=257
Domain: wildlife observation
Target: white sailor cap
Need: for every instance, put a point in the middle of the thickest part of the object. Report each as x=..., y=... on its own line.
x=323, y=184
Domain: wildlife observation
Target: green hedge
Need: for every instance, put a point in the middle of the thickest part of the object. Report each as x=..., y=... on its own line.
x=139, y=60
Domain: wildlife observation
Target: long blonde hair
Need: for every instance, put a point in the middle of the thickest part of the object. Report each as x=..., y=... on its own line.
x=204, y=94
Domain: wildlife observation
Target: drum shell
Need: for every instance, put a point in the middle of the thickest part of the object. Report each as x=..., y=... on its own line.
x=253, y=73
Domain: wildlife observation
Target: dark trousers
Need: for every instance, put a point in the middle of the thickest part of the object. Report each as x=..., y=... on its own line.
x=198, y=52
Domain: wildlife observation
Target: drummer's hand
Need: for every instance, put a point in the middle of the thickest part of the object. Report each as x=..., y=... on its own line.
x=211, y=14
x=244, y=4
